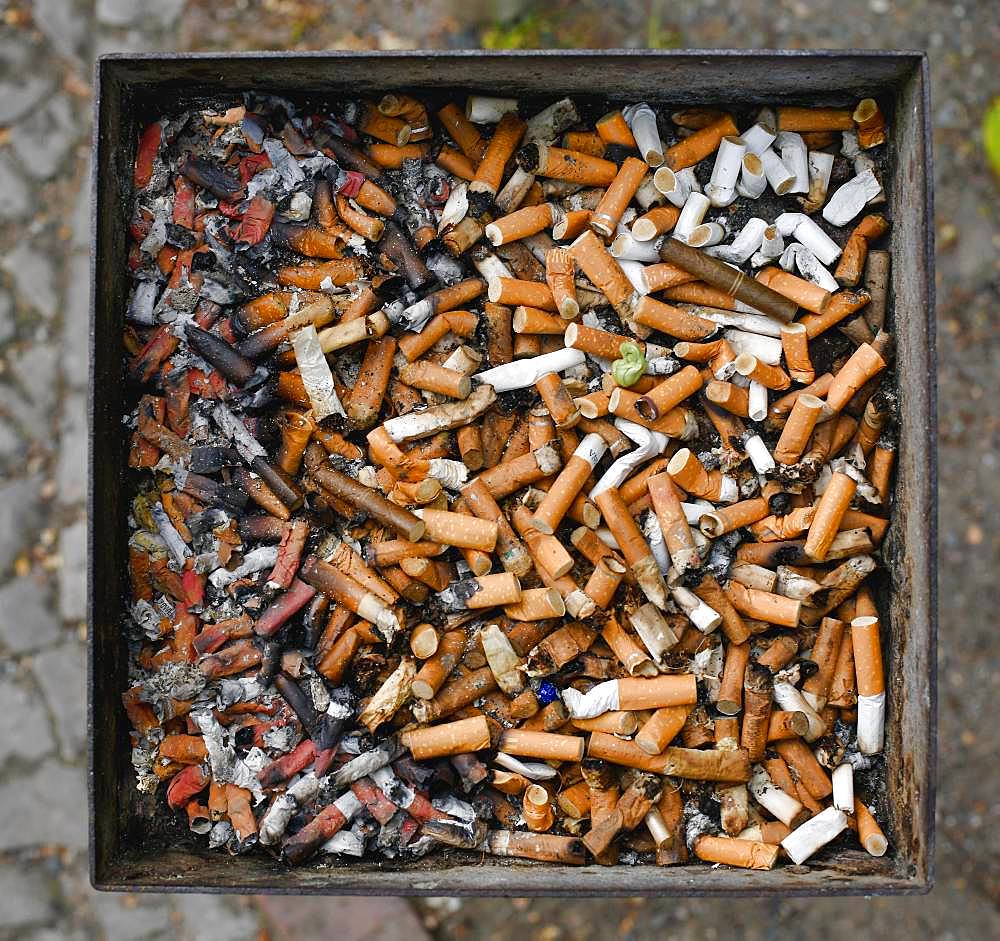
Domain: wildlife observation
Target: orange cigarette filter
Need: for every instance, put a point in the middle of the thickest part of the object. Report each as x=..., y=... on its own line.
x=558, y=401
x=865, y=363
x=450, y=738
x=655, y=222
x=456, y=163
x=867, y=647
x=513, y=292
x=771, y=377
x=792, y=118
x=612, y=128
x=537, y=809
x=732, y=398
x=560, y=271
x=506, y=137
x=798, y=429
x=795, y=347
x=870, y=123
x=700, y=144
x=546, y=745
x=463, y=132
x=673, y=523
x=691, y=476
x=829, y=512
x=459, y=529
x=671, y=320
x=669, y=393
x=570, y=224
x=604, y=271
x=520, y=224
x=587, y=142
x=743, y=854
x=569, y=165
x=391, y=156
x=434, y=378
x=870, y=833
x=537, y=604
x=806, y=294
x=636, y=693
x=617, y=196
x=389, y=129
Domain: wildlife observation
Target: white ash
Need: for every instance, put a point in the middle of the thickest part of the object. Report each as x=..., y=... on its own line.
x=696, y=824
x=281, y=739
x=142, y=761
x=173, y=680
x=144, y=617
x=256, y=560
x=220, y=834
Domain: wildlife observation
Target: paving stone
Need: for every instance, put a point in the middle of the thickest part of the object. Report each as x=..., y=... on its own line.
x=62, y=933
x=76, y=321
x=129, y=918
x=27, y=619
x=8, y=326
x=82, y=213
x=22, y=83
x=20, y=517
x=34, y=275
x=46, y=807
x=357, y=919
x=37, y=369
x=24, y=732
x=25, y=897
x=43, y=139
x=73, y=574
x=65, y=24
x=62, y=674
x=11, y=443
x=71, y=472
x=218, y=917
x=15, y=197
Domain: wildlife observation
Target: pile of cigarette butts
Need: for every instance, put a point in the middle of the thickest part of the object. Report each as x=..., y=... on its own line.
x=486, y=496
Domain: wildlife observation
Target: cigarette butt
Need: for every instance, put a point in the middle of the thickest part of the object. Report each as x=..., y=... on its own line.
x=700, y=144
x=501, y=147
x=829, y=512
x=771, y=377
x=537, y=809
x=424, y=641
x=557, y=400
x=690, y=475
x=612, y=128
x=661, y=728
x=537, y=604
x=779, y=652
x=764, y=605
x=795, y=346
x=520, y=224
x=798, y=429
x=459, y=529
x=450, y=738
x=614, y=723
x=744, y=854
x=732, y=398
x=799, y=757
x=807, y=295
x=571, y=224
x=867, y=647
x=730, y=700
x=864, y=364
x=647, y=227
x=587, y=142
x=870, y=833
x=617, y=196
x=791, y=118
x=785, y=724
x=560, y=270
x=489, y=591
x=604, y=272
x=513, y=292
x=545, y=847
x=727, y=519
x=434, y=672
x=545, y=745
x=434, y=378
x=604, y=581
x=573, y=166
x=870, y=123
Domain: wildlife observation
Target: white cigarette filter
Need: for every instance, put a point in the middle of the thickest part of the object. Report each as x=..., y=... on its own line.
x=790, y=699
x=843, y=787
x=676, y=185
x=820, y=170
x=773, y=799
x=721, y=189
x=766, y=349
x=851, y=198
x=747, y=241
x=805, y=230
x=741, y=320
x=703, y=617
x=795, y=156
x=692, y=215
x=757, y=138
x=522, y=373
x=650, y=444
x=799, y=258
x=706, y=234
x=641, y=120
x=779, y=177
x=647, y=195
x=635, y=272
x=772, y=244
x=483, y=109
x=814, y=834
x=627, y=247
x=753, y=180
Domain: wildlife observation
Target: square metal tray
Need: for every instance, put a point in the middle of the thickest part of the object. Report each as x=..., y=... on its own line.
x=125, y=854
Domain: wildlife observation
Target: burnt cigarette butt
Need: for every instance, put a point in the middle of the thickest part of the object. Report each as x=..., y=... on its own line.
x=514, y=292
x=604, y=581
x=536, y=806
x=784, y=725
x=463, y=132
x=804, y=293
x=757, y=699
x=829, y=512
x=449, y=738
x=537, y=604
x=604, y=272
x=520, y=224
x=870, y=834
x=435, y=671
x=870, y=123
x=795, y=347
x=424, y=641
x=364, y=498
x=571, y=224
x=617, y=196
x=573, y=166
x=431, y=377
x=560, y=271
x=612, y=128
x=730, y=701
x=506, y=137
x=636, y=693
x=798, y=429
x=800, y=759
x=545, y=847
x=779, y=652
x=792, y=118
x=459, y=529
x=558, y=401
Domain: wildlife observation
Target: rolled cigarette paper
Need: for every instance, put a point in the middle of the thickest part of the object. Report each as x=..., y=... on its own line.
x=814, y=834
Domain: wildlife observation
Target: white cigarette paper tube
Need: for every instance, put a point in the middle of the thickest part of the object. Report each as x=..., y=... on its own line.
x=721, y=189
x=871, y=724
x=772, y=244
x=758, y=401
x=647, y=195
x=635, y=272
x=814, y=834
x=795, y=156
x=532, y=770
x=765, y=348
x=595, y=702
x=773, y=799
x=809, y=266
x=820, y=170
x=759, y=456
x=780, y=178
x=483, y=109
x=641, y=120
x=315, y=373
x=752, y=323
x=676, y=185
x=851, y=198
x=691, y=216
x=791, y=700
x=526, y=372
x=807, y=231
x=843, y=787
x=651, y=444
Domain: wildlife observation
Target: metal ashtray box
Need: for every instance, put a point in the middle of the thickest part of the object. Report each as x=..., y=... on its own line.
x=125, y=853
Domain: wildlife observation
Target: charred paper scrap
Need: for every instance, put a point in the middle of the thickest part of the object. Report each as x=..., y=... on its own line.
x=494, y=491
